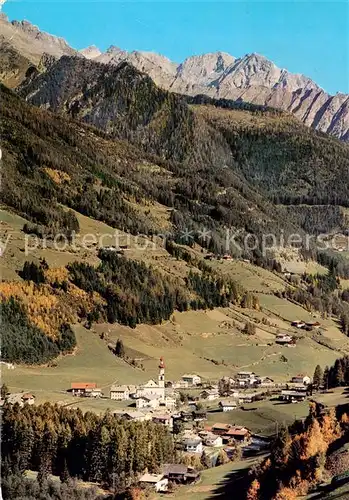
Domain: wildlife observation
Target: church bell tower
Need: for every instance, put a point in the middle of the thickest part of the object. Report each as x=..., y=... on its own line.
x=162, y=373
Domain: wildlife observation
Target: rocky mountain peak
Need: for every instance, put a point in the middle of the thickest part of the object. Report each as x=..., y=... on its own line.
x=90, y=52
x=113, y=49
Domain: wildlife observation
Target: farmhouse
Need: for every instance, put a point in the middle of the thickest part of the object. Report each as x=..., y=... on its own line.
x=297, y=387
x=20, y=398
x=179, y=384
x=313, y=324
x=288, y=395
x=119, y=392
x=151, y=401
x=283, y=339
x=220, y=429
x=209, y=394
x=165, y=420
x=170, y=400
x=210, y=439
x=238, y=433
x=186, y=416
x=93, y=393
x=179, y=473
x=249, y=397
x=192, y=445
x=136, y=416
x=158, y=481
x=301, y=379
x=227, y=405
x=246, y=379
x=298, y=324
x=246, y=375
x=28, y=398
x=79, y=388
x=199, y=415
x=191, y=379
x=266, y=382
x=228, y=380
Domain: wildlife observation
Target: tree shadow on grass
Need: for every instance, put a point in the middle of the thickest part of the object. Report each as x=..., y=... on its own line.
x=235, y=484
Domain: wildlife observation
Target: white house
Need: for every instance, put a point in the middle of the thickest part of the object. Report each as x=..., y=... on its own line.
x=79, y=388
x=283, y=339
x=119, y=392
x=151, y=401
x=228, y=405
x=192, y=379
x=93, y=393
x=288, y=395
x=170, y=400
x=212, y=440
x=28, y=398
x=193, y=445
x=246, y=379
x=157, y=481
x=301, y=379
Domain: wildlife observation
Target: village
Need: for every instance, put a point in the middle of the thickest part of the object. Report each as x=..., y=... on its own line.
x=182, y=407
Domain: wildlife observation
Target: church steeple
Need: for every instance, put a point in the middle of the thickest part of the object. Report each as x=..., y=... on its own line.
x=161, y=372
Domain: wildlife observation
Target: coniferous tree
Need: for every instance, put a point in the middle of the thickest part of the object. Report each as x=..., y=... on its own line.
x=120, y=349
x=4, y=391
x=325, y=378
x=318, y=377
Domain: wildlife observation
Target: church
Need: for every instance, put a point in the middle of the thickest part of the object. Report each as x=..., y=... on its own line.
x=153, y=388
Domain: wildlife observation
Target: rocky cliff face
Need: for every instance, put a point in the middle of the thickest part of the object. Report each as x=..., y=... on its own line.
x=252, y=78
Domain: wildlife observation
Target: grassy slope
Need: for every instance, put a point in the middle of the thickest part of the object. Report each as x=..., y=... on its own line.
x=185, y=341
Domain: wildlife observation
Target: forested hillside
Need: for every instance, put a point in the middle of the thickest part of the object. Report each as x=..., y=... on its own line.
x=113, y=146
x=51, y=160
x=260, y=147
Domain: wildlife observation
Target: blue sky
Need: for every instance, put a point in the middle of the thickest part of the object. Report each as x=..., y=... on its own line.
x=309, y=37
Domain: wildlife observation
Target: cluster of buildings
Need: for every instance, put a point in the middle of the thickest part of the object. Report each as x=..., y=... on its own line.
x=214, y=436
x=248, y=380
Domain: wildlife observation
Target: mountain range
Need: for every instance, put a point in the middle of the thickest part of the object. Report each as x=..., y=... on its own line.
x=251, y=78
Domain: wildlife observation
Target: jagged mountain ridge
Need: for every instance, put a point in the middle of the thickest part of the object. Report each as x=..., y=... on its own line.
x=269, y=147
x=32, y=43
x=251, y=78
